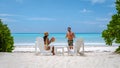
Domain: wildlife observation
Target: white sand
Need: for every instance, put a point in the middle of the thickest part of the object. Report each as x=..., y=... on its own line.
x=87, y=48
x=30, y=60
x=95, y=57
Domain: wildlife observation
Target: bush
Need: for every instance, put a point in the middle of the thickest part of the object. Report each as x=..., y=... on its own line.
x=118, y=50
x=6, y=40
x=112, y=33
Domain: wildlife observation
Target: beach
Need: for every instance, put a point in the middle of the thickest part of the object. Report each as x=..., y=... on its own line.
x=96, y=53
x=94, y=57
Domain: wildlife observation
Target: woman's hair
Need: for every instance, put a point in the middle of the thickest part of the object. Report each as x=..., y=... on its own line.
x=45, y=37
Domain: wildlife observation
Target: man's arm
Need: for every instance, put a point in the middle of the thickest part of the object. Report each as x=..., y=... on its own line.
x=73, y=35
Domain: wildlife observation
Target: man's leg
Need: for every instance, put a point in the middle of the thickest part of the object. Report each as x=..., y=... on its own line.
x=71, y=47
x=71, y=44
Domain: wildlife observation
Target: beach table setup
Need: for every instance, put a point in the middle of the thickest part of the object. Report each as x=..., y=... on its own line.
x=59, y=49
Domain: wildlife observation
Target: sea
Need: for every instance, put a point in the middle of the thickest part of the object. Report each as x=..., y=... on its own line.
x=21, y=39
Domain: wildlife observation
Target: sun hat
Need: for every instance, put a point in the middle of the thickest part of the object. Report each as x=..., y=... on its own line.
x=45, y=33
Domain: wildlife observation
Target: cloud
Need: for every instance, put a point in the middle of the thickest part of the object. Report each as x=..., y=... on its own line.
x=102, y=19
x=97, y=21
x=11, y=15
x=5, y=15
x=111, y=6
x=8, y=20
x=85, y=11
x=97, y=1
x=19, y=1
x=102, y=26
x=89, y=22
x=110, y=14
x=42, y=19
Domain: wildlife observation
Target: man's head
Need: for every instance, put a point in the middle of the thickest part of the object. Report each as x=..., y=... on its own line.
x=69, y=28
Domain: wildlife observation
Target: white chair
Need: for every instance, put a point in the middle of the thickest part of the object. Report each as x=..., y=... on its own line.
x=39, y=44
x=70, y=51
x=78, y=45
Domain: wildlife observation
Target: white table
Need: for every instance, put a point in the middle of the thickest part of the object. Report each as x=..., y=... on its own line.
x=60, y=48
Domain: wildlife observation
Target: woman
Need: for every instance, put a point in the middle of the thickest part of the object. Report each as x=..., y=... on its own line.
x=47, y=42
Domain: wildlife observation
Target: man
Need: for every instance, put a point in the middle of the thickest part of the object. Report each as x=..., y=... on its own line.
x=70, y=36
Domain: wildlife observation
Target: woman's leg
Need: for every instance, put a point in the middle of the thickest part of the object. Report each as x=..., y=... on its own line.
x=47, y=47
x=53, y=50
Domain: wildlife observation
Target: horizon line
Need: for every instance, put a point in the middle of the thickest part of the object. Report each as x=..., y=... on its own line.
x=55, y=32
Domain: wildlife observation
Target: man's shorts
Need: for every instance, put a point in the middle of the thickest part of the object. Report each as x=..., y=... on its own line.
x=70, y=42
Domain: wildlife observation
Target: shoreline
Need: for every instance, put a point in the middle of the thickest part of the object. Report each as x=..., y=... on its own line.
x=86, y=44
x=101, y=48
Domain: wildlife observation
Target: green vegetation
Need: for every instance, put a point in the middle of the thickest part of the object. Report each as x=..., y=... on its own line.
x=112, y=33
x=6, y=40
x=118, y=50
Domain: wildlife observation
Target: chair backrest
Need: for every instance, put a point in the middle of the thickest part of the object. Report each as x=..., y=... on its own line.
x=79, y=46
x=40, y=43
x=79, y=42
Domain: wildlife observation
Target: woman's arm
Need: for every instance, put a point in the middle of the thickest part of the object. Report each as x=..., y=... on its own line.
x=66, y=35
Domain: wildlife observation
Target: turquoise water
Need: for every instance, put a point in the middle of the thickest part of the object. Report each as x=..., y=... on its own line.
x=29, y=38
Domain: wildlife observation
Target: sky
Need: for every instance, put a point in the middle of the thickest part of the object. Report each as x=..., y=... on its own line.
x=54, y=16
